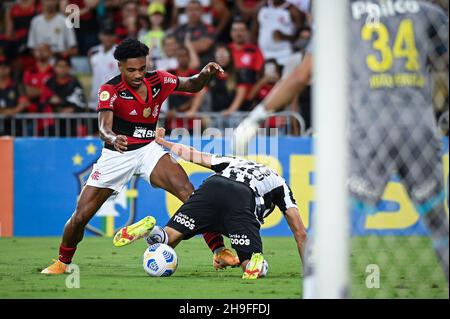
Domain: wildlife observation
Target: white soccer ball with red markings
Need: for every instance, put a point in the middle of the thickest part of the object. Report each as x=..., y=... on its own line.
x=160, y=260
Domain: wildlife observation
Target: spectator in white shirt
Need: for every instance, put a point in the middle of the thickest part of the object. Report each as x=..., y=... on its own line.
x=103, y=64
x=50, y=28
x=276, y=29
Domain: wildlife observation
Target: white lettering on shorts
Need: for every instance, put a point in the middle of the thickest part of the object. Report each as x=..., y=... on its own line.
x=184, y=220
x=239, y=240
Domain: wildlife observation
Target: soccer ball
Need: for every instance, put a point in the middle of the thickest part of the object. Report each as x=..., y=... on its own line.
x=160, y=260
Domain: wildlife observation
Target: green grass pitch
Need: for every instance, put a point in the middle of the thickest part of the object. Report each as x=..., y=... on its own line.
x=110, y=272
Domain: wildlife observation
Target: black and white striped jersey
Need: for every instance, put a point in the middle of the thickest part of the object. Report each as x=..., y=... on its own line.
x=270, y=189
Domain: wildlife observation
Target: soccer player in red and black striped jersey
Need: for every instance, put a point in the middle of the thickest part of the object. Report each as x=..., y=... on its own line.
x=128, y=111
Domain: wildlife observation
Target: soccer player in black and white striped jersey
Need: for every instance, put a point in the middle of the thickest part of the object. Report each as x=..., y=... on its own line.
x=234, y=201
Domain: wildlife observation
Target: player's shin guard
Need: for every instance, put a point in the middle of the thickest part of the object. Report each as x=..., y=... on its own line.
x=437, y=224
x=157, y=235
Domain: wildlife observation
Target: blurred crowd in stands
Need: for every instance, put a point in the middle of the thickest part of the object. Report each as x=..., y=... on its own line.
x=48, y=65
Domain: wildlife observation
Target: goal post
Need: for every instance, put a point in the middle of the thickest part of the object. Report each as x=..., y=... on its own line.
x=330, y=101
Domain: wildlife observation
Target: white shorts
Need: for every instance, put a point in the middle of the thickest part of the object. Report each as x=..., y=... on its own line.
x=113, y=169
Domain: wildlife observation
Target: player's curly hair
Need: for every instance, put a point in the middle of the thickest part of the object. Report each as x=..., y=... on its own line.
x=130, y=48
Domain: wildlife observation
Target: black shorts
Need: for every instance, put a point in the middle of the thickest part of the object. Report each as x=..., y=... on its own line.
x=224, y=206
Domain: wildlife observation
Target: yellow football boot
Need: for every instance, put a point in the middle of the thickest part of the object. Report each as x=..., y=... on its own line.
x=254, y=267
x=127, y=235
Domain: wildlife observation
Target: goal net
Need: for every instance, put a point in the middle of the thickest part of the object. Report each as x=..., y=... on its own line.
x=381, y=121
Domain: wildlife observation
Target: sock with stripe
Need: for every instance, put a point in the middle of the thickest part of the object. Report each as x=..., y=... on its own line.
x=66, y=254
x=214, y=241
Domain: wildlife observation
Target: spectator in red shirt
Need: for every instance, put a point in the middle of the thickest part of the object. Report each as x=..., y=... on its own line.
x=182, y=102
x=129, y=24
x=248, y=62
x=17, y=22
x=202, y=35
x=270, y=77
x=12, y=101
x=18, y=19
x=214, y=12
x=63, y=93
x=34, y=78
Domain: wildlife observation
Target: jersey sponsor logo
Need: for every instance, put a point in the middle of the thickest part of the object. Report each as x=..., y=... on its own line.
x=169, y=80
x=124, y=95
x=384, y=8
x=104, y=96
x=133, y=112
x=184, y=220
x=142, y=132
x=239, y=240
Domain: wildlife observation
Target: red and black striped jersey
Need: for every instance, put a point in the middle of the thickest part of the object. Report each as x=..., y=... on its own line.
x=248, y=61
x=21, y=18
x=134, y=117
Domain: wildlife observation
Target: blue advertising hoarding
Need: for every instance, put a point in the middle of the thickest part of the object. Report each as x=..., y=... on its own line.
x=49, y=174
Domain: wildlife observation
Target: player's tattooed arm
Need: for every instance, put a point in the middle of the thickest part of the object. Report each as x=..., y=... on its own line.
x=188, y=153
x=105, y=121
x=197, y=82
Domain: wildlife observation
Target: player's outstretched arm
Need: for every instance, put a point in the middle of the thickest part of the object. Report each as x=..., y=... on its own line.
x=298, y=229
x=188, y=153
x=197, y=82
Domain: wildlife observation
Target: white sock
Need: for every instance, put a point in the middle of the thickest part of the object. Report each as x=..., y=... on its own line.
x=157, y=235
x=258, y=114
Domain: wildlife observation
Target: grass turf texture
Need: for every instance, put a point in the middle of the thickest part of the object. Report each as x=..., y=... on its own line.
x=110, y=272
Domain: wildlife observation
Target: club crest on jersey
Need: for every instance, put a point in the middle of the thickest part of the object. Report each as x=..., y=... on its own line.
x=147, y=111
x=104, y=96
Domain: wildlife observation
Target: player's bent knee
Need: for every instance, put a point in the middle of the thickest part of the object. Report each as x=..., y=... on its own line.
x=81, y=216
x=184, y=190
x=78, y=220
